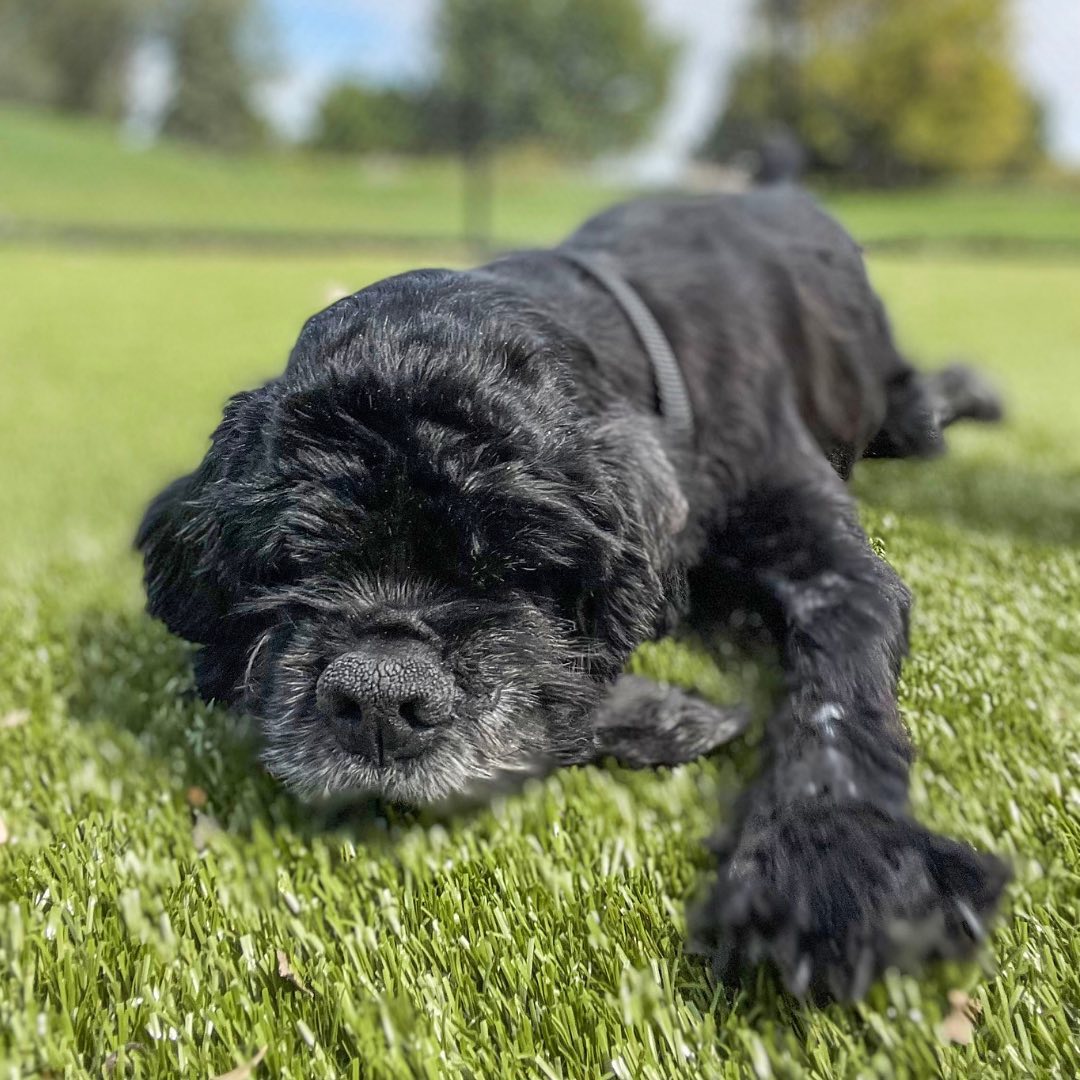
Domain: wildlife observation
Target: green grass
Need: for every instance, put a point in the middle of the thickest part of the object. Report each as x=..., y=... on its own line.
x=542, y=936
x=59, y=173
x=67, y=172
x=963, y=213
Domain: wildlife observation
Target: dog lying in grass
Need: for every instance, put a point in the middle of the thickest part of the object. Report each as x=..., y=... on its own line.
x=422, y=555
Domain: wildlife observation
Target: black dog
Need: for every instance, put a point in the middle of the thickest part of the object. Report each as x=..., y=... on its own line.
x=424, y=553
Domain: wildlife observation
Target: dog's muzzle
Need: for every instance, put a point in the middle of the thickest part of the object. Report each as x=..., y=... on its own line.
x=386, y=699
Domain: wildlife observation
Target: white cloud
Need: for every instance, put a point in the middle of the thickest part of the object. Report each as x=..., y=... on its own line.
x=291, y=99
x=149, y=80
x=1048, y=33
x=711, y=36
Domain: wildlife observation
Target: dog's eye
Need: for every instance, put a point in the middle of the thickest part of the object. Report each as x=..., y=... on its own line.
x=280, y=567
x=488, y=569
x=585, y=613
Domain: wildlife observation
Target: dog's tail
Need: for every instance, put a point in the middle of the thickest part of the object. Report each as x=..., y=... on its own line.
x=781, y=158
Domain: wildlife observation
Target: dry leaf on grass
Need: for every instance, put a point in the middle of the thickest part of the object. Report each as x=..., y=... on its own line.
x=196, y=797
x=15, y=718
x=285, y=970
x=959, y=1025
x=109, y=1064
x=244, y=1069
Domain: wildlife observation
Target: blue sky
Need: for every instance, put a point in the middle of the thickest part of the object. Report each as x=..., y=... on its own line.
x=318, y=40
x=389, y=41
x=384, y=40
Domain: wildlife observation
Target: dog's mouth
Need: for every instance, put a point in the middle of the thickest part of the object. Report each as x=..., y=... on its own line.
x=381, y=705
x=488, y=750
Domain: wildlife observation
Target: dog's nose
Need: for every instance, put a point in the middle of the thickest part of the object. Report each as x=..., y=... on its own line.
x=385, y=697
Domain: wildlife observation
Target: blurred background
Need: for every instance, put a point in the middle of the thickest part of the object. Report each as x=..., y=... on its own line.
x=319, y=123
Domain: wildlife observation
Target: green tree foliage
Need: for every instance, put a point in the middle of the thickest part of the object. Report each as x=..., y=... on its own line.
x=582, y=75
x=354, y=118
x=69, y=54
x=883, y=90
x=219, y=56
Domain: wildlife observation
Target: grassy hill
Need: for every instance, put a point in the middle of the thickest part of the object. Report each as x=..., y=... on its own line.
x=59, y=174
x=79, y=173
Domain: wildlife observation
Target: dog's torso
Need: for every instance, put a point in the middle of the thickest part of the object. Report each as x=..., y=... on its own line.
x=764, y=300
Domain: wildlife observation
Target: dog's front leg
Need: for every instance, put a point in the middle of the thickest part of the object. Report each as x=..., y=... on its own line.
x=641, y=723
x=824, y=873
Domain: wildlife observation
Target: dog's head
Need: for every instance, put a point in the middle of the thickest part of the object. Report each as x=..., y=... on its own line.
x=414, y=557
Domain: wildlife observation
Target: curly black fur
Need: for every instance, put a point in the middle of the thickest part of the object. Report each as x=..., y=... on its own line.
x=449, y=522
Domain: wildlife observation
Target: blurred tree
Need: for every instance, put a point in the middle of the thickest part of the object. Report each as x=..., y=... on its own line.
x=220, y=52
x=582, y=75
x=883, y=92
x=355, y=119
x=25, y=75
x=70, y=54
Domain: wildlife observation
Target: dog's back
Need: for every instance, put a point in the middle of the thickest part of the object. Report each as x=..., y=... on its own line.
x=755, y=291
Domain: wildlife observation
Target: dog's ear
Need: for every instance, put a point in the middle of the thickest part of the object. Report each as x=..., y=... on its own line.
x=193, y=536
x=193, y=588
x=181, y=589
x=635, y=592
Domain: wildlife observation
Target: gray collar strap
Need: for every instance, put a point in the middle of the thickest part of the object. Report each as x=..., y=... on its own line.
x=671, y=393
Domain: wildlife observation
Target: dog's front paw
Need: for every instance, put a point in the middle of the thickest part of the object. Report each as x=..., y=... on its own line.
x=642, y=723
x=833, y=893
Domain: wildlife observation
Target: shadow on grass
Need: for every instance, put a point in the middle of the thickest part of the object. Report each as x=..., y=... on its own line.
x=127, y=673
x=983, y=497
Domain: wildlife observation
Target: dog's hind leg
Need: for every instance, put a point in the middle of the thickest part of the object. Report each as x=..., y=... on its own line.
x=921, y=405
x=825, y=873
x=960, y=392
x=641, y=723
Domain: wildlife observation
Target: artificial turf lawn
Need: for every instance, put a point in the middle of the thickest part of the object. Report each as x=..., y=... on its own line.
x=542, y=936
